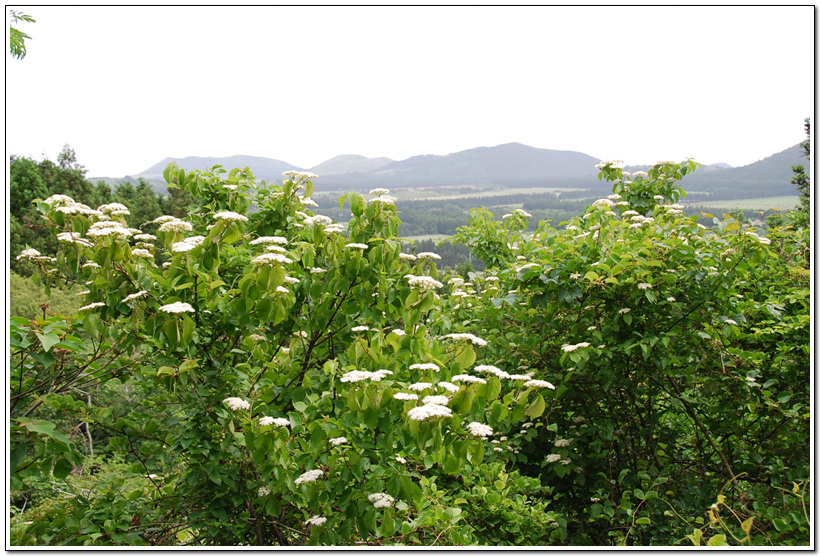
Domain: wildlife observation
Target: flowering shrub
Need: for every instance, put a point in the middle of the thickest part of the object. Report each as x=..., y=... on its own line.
x=309, y=401
x=309, y=383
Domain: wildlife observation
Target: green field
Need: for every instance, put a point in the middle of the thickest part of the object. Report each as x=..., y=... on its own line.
x=467, y=192
x=761, y=203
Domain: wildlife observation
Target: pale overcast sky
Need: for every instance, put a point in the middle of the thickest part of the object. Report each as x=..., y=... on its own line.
x=129, y=86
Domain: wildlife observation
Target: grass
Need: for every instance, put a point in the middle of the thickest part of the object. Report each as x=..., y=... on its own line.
x=761, y=203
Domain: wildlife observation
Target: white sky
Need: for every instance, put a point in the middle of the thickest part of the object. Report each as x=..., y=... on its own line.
x=129, y=86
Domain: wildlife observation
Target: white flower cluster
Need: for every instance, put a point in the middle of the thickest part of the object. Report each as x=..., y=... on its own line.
x=278, y=421
x=309, y=476
x=423, y=282
x=177, y=307
x=552, y=458
x=475, y=340
x=74, y=237
x=316, y=520
x=405, y=396
x=480, y=429
x=32, y=255
x=91, y=306
x=318, y=219
x=235, y=404
x=145, y=237
x=172, y=224
x=407, y=256
x=438, y=400
x=539, y=384
x=468, y=378
x=359, y=329
x=116, y=209
x=357, y=376
x=449, y=386
x=563, y=442
x=379, y=191
x=603, y=203
x=271, y=259
x=381, y=500
x=424, y=367
x=230, y=216
x=338, y=440
x=570, y=347
x=428, y=255
x=429, y=411
x=108, y=228
x=357, y=246
x=134, y=296
x=263, y=240
x=613, y=163
x=300, y=175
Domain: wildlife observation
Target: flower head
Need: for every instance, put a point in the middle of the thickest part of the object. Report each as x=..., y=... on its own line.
x=381, y=500
x=405, y=396
x=424, y=367
x=316, y=520
x=469, y=337
x=134, y=296
x=479, y=429
x=230, y=216
x=338, y=440
x=236, y=404
x=428, y=255
x=309, y=476
x=438, y=400
x=177, y=307
x=429, y=411
x=539, y=384
x=91, y=306
x=468, y=378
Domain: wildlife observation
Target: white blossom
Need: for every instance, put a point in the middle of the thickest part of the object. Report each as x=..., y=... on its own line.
x=91, y=306
x=356, y=376
x=357, y=245
x=236, y=404
x=309, y=476
x=552, y=458
x=230, y=216
x=644, y=286
x=405, y=396
x=450, y=387
x=381, y=500
x=134, y=296
x=429, y=411
x=175, y=225
x=428, y=255
x=480, y=429
x=316, y=520
x=438, y=400
x=263, y=240
x=407, y=256
x=271, y=258
x=359, y=329
x=539, y=384
x=468, y=378
x=337, y=441
x=418, y=386
x=177, y=307
x=424, y=367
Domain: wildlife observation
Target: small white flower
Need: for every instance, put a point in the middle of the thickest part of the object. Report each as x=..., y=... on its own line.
x=309, y=476
x=269, y=239
x=428, y=255
x=552, y=458
x=539, y=384
x=356, y=245
x=423, y=282
x=405, y=396
x=359, y=329
x=407, y=257
x=479, y=429
x=468, y=378
x=175, y=225
x=316, y=521
x=424, y=367
x=568, y=347
x=177, y=307
x=263, y=491
x=419, y=386
x=429, y=411
x=381, y=500
x=134, y=296
x=317, y=270
x=562, y=442
x=624, y=310
x=271, y=258
x=236, y=404
x=401, y=459
x=438, y=400
x=399, y=332
x=230, y=216
x=450, y=387
x=337, y=441
x=91, y=306
x=141, y=253
x=574, y=276
x=356, y=376
x=644, y=286
x=379, y=191
x=182, y=246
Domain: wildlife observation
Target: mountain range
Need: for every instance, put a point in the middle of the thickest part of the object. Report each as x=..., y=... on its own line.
x=503, y=166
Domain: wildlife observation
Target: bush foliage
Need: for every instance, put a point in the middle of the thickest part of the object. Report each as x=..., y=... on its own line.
x=265, y=377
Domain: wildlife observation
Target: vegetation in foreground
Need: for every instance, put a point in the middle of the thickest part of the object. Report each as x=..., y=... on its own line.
x=266, y=377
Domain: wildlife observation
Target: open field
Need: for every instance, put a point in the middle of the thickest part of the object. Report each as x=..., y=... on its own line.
x=466, y=192
x=761, y=203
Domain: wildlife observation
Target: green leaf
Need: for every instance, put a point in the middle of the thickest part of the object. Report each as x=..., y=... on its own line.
x=717, y=540
x=62, y=468
x=48, y=340
x=47, y=428
x=536, y=408
x=643, y=521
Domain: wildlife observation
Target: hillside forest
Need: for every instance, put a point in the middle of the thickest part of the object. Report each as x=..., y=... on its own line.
x=232, y=365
